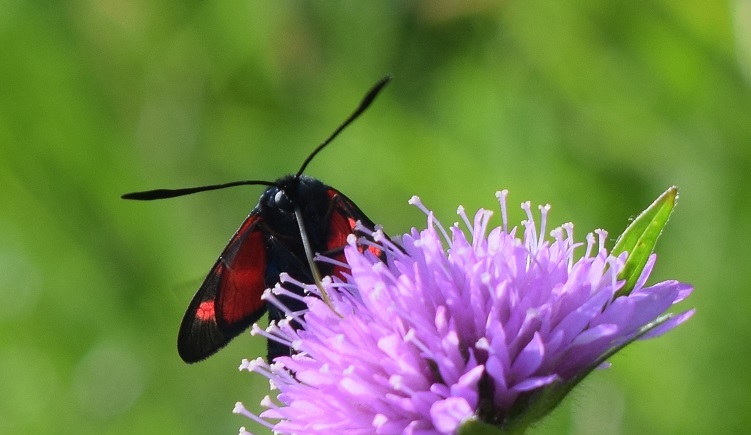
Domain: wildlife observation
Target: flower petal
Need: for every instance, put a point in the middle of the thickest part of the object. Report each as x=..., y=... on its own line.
x=447, y=415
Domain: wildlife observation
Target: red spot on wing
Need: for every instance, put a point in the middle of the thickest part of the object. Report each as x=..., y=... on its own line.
x=340, y=227
x=342, y=223
x=239, y=295
x=206, y=312
x=373, y=250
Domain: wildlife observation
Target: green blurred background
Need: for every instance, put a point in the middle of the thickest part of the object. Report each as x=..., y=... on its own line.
x=593, y=106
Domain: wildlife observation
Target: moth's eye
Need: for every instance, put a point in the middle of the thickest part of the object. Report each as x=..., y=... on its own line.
x=281, y=200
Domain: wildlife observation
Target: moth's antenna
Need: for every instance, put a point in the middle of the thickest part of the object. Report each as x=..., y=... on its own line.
x=364, y=104
x=150, y=195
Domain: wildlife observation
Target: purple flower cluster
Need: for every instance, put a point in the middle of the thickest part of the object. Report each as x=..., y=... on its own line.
x=457, y=326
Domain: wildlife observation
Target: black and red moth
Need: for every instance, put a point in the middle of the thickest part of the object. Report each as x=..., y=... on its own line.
x=269, y=242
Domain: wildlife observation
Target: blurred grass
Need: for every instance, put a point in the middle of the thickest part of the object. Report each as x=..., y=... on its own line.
x=593, y=106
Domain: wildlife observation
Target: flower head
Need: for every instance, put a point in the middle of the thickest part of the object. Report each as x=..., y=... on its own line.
x=457, y=326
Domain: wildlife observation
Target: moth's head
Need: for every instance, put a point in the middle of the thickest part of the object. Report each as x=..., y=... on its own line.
x=291, y=191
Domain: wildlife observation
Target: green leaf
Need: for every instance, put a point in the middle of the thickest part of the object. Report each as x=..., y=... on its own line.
x=640, y=238
x=476, y=427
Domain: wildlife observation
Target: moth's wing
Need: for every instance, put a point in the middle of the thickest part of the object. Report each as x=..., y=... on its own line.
x=229, y=300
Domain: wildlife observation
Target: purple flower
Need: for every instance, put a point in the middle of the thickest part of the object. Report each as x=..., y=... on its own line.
x=458, y=327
